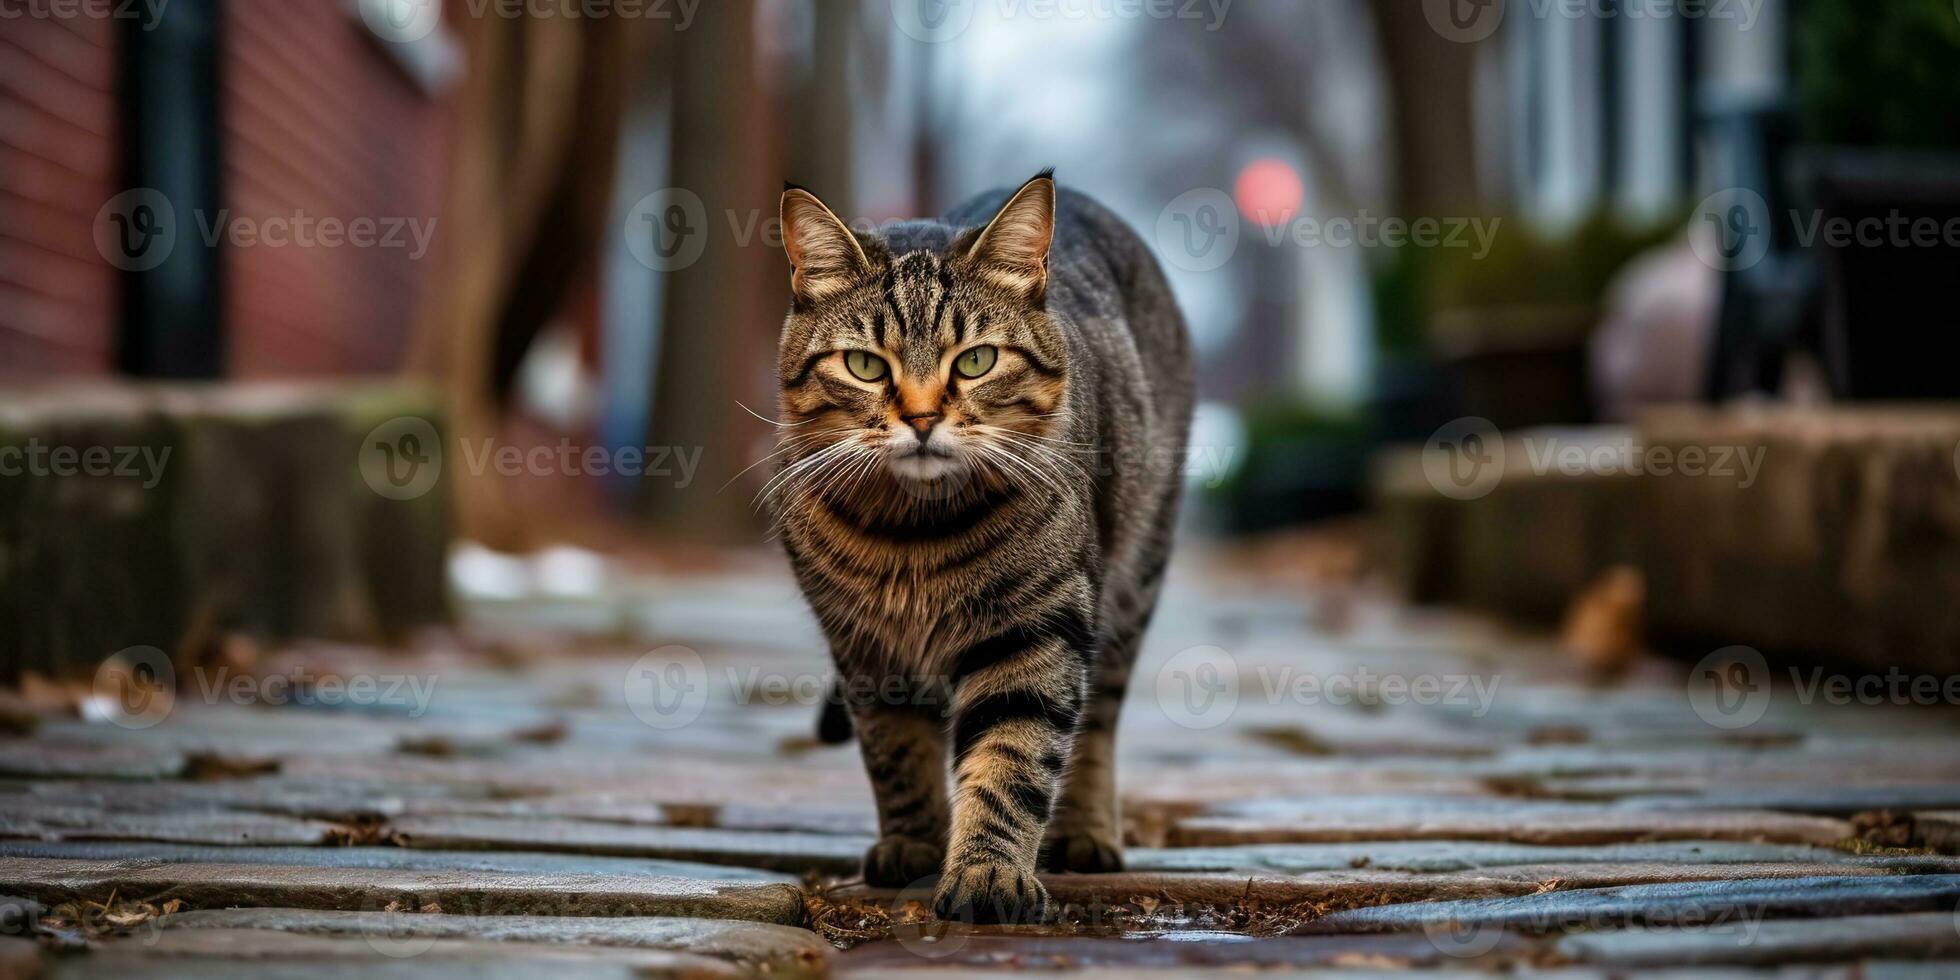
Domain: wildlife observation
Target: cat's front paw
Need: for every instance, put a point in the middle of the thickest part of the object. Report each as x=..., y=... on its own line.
x=1082, y=851
x=991, y=893
x=896, y=861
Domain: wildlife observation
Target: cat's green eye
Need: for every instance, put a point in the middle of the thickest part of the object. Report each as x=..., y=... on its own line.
x=865, y=366
x=976, y=362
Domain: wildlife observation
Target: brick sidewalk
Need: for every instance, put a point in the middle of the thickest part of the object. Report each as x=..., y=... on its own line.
x=628, y=786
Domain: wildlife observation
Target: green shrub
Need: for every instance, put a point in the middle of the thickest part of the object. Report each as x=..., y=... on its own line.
x=1879, y=72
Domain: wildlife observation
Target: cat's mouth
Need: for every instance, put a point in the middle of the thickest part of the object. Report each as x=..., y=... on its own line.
x=924, y=462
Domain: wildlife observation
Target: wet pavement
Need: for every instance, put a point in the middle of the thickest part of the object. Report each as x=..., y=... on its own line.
x=625, y=784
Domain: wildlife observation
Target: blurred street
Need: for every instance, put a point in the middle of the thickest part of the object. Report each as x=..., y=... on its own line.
x=627, y=782
x=399, y=400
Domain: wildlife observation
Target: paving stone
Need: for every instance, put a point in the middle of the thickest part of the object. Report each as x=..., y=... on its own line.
x=1662, y=904
x=38, y=760
x=52, y=880
x=1203, y=954
x=1922, y=935
x=1905, y=970
x=391, y=859
x=753, y=944
x=1093, y=895
x=657, y=777
x=1837, y=801
x=816, y=818
x=1938, y=829
x=1203, y=776
x=1607, y=875
x=195, y=727
x=1354, y=818
x=243, y=953
x=1447, y=856
x=553, y=829
x=795, y=852
x=1841, y=797
x=1156, y=889
x=350, y=802
x=44, y=822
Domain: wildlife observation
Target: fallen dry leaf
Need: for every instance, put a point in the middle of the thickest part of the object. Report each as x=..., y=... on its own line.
x=1602, y=627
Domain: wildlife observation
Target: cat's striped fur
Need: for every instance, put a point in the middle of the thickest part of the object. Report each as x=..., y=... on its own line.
x=990, y=600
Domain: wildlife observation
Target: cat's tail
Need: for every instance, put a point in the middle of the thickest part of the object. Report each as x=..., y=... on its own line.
x=834, y=723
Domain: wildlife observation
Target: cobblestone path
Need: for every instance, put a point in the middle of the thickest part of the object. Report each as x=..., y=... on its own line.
x=628, y=786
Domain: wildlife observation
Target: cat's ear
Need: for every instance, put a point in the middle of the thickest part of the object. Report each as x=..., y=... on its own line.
x=825, y=257
x=1012, y=251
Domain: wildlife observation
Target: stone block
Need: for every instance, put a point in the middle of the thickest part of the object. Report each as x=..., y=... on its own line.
x=1846, y=547
x=165, y=516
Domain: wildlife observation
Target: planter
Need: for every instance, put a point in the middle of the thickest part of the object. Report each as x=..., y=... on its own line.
x=1518, y=366
x=1884, y=298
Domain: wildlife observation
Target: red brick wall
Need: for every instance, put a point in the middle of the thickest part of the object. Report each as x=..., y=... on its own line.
x=58, y=166
x=318, y=119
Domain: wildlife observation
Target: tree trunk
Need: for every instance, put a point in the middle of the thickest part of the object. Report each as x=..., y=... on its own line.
x=1431, y=93
x=723, y=310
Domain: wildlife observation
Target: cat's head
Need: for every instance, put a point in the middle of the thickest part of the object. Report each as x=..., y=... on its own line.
x=924, y=366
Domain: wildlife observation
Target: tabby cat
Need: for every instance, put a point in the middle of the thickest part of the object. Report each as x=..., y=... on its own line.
x=983, y=420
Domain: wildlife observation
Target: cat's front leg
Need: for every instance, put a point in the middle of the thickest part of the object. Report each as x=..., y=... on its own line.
x=903, y=741
x=1015, y=706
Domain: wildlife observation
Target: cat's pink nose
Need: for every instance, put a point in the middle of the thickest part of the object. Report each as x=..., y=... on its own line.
x=923, y=423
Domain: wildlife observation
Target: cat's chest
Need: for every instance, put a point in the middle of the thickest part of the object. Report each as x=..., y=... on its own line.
x=916, y=619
